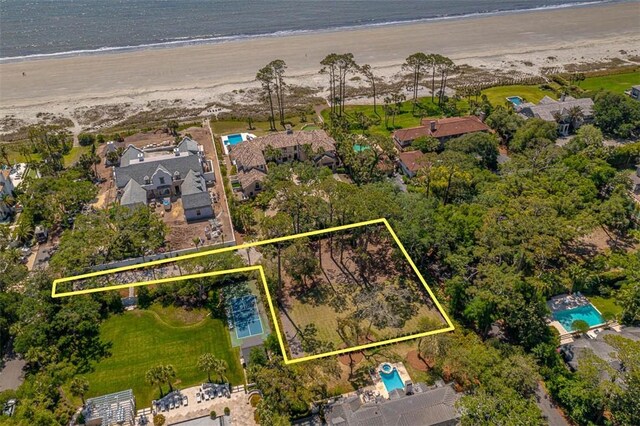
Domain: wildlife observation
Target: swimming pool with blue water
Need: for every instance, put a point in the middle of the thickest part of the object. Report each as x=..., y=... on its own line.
x=391, y=380
x=586, y=313
x=234, y=139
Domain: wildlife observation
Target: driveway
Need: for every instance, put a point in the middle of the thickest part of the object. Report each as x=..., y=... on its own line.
x=548, y=407
x=11, y=374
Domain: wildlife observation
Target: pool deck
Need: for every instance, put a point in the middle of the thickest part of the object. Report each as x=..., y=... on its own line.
x=379, y=385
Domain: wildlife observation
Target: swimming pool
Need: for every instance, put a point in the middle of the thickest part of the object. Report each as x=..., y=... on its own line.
x=515, y=100
x=390, y=378
x=234, y=139
x=586, y=313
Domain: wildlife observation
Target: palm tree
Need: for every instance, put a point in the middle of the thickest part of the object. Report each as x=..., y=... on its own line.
x=169, y=374
x=220, y=368
x=153, y=377
x=206, y=363
x=4, y=154
x=575, y=115
x=79, y=387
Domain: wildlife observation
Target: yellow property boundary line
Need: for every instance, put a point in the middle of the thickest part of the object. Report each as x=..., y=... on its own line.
x=260, y=269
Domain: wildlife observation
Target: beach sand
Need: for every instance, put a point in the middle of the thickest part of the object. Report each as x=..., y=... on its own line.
x=199, y=75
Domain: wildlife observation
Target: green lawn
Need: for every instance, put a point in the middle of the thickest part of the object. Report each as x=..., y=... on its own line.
x=498, y=95
x=74, y=155
x=69, y=159
x=142, y=339
x=403, y=120
x=617, y=83
x=225, y=127
x=606, y=305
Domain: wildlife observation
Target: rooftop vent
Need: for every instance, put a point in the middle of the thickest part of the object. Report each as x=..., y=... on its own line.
x=176, y=151
x=140, y=157
x=432, y=126
x=288, y=129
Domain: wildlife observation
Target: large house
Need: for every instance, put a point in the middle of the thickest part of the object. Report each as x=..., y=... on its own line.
x=6, y=190
x=167, y=174
x=595, y=343
x=559, y=111
x=110, y=410
x=442, y=129
x=410, y=162
x=250, y=157
x=424, y=406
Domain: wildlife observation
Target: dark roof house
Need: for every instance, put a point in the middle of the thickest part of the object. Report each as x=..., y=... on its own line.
x=596, y=344
x=428, y=407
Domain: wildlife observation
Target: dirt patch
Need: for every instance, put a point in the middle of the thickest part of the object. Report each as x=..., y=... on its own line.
x=414, y=360
x=353, y=357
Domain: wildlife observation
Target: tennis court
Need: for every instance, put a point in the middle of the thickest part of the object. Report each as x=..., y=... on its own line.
x=246, y=319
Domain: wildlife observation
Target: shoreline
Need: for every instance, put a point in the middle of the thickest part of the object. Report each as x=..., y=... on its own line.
x=224, y=73
x=244, y=37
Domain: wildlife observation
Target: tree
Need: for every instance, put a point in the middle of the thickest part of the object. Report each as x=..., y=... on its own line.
x=267, y=79
x=415, y=63
x=86, y=139
x=172, y=127
x=159, y=420
x=367, y=71
x=498, y=408
x=505, y=122
x=209, y=363
x=279, y=66
x=154, y=376
x=4, y=154
x=426, y=144
x=533, y=134
x=168, y=373
x=445, y=66
x=483, y=146
x=616, y=114
x=575, y=116
x=580, y=325
x=79, y=387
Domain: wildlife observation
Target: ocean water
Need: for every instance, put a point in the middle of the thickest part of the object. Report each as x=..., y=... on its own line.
x=60, y=27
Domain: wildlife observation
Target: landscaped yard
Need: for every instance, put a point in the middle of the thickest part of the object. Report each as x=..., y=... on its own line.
x=617, y=83
x=225, y=127
x=606, y=305
x=498, y=95
x=142, y=339
x=403, y=120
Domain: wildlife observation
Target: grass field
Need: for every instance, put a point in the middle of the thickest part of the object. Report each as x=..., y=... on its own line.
x=617, y=83
x=69, y=159
x=403, y=120
x=144, y=338
x=225, y=127
x=606, y=305
x=497, y=95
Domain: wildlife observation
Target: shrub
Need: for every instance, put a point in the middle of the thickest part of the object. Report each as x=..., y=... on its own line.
x=159, y=420
x=580, y=325
x=213, y=414
x=86, y=139
x=227, y=411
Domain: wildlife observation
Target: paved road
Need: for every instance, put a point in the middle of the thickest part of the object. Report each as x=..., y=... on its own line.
x=11, y=375
x=548, y=408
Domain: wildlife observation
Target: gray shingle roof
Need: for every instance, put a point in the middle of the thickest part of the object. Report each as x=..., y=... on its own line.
x=133, y=194
x=547, y=107
x=188, y=145
x=429, y=408
x=138, y=170
x=194, y=191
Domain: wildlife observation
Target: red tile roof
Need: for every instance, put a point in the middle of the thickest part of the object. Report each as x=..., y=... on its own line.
x=413, y=160
x=455, y=126
x=411, y=133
